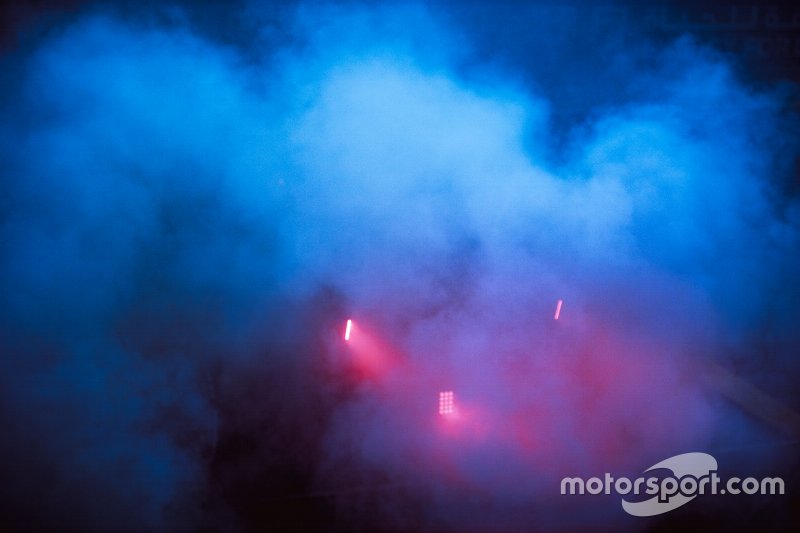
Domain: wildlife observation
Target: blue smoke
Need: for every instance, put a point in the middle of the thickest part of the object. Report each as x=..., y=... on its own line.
x=186, y=224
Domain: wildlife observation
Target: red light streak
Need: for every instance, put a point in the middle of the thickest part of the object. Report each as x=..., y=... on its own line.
x=558, y=309
x=348, y=329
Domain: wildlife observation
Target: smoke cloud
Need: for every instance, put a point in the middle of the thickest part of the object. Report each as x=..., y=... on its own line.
x=188, y=222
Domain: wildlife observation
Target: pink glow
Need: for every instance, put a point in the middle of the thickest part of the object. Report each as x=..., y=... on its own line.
x=558, y=309
x=347, y=330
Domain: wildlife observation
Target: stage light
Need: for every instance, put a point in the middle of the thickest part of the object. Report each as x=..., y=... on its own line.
x=446, y=403
x=558, y=309
x=348, y=329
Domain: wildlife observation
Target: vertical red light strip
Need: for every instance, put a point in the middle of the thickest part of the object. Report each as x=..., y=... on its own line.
x=347, y=330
